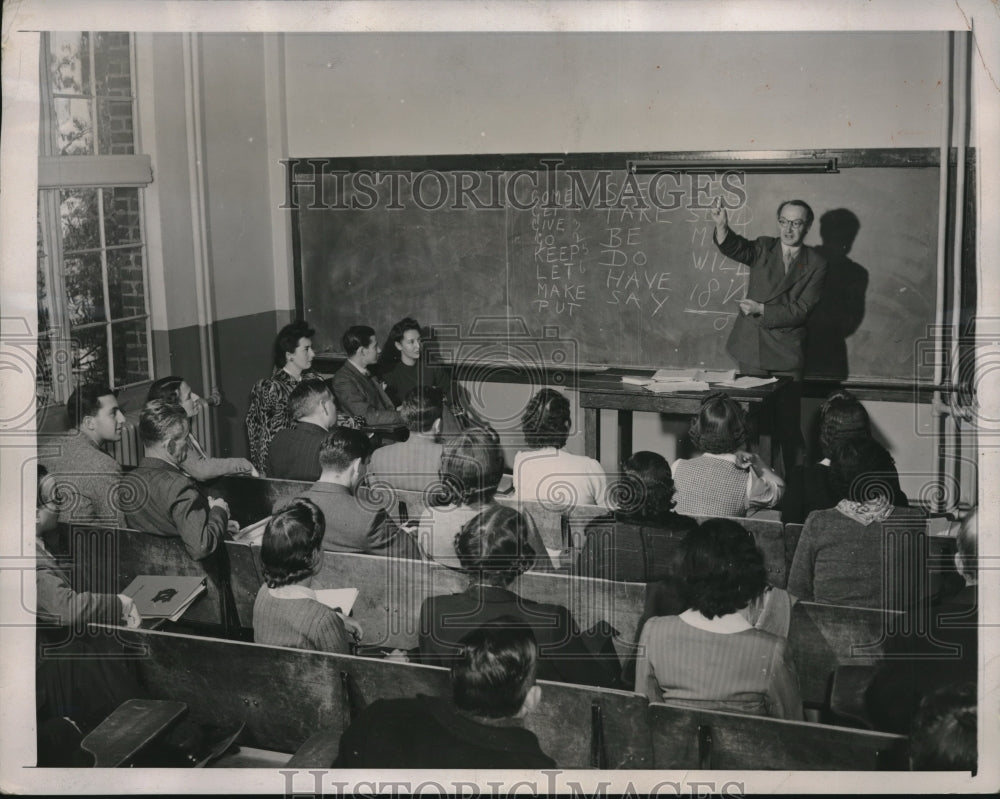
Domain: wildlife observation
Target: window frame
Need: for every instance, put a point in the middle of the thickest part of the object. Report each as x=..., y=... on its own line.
x=57, y=173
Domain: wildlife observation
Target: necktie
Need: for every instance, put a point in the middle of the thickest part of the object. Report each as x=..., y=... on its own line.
x=789, y=257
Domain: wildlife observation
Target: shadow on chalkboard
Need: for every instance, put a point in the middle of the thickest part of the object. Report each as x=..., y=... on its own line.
x=841, y=307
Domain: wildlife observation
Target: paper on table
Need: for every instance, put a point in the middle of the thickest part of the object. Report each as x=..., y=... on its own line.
x=678, y=385
x=630, y=380
x=671, y=374
x=717, y=375
x=750, y=382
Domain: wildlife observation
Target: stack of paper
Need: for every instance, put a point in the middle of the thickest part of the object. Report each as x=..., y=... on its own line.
x=671, y=379
x=164, y=596
x=749, y=382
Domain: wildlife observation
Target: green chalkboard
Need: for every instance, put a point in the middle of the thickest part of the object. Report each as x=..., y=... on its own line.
x=619, y=268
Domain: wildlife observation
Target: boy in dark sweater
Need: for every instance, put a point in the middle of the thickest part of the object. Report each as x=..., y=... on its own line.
x=493, y=688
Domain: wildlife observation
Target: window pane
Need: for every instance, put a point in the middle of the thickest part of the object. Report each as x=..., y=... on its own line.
x=90, y=356
x=112, y=65
x=114, y=130
x=121, y=216
x=74, y=134
x=84, y=289
x=69, y=63
x=126, y=283
x=79, y=220
x=131, y=352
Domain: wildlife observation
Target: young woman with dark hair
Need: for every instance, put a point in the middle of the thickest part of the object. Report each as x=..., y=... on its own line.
x=726, y=479
x=634, y=544
x=400, y=364
x=268, y=409
x=286, y=611
x=493, y=550
x=844, y=553
x=841, y=418
x=712, y=655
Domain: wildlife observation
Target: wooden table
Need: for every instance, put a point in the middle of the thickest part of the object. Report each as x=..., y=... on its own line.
x=606, y=390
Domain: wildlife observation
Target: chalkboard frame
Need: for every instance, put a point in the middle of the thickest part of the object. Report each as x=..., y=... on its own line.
x=906, y=157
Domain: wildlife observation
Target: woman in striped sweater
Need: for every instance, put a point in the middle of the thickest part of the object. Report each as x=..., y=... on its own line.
x=286, y=612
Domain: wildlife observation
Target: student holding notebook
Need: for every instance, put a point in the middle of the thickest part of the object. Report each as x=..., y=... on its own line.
x=286, y=611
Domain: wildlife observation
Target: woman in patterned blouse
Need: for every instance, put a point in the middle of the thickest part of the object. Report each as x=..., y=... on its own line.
x=268, y=411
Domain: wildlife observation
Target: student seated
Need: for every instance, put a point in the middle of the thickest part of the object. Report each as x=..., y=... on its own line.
x=72, y=695
x=197, y=464
x=401, y=367
x=412, y=465
x=294, y=451
x=808, y=487
x=928, y=652
x=286, y=611
x=726, y=479
x=268, y=409
x=644, y=497
x=166, y=501
x=353, y=522
x=546, y=472
x=840, y=558
x=87, y=477
x=471, y=466
x=480, y=727
x=358, y=391
x=711, y=655
x=944, y=733
x=57, y=602
x=493, y=550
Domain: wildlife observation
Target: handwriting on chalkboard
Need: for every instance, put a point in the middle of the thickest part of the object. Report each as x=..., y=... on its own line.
x=721, y=282
x=559, y=268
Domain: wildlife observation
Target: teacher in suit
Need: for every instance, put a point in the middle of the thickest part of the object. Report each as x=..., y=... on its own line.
x=786, y=280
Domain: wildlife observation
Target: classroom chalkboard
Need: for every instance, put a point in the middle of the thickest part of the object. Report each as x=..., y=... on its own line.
x=619, y=268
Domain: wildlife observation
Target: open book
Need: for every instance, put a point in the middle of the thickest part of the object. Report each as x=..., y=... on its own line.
x=164, y=596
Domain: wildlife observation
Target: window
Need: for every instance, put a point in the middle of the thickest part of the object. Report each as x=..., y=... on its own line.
x=93, y=312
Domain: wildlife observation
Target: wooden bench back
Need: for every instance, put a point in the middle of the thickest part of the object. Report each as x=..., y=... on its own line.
x=769, y=535
x=687, y=738
x=823, y=637
x=284, y=695
x=252, y=498
x=106, y=560
x=391, y=592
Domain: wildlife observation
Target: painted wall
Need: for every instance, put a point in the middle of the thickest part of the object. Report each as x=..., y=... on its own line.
x=399, y=94
x=402, y=94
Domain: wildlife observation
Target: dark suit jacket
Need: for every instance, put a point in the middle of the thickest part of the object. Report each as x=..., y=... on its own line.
x=630, y=550
x=361, y=395
x=774, y=340
x=562, y=654
x=294, y=452
x=353, y=524
x=169, y=503
x=430, y=732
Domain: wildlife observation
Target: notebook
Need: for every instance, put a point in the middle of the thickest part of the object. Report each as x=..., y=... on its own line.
x=164, y=596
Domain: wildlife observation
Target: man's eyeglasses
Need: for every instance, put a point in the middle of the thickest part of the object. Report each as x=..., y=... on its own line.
x=794, y=224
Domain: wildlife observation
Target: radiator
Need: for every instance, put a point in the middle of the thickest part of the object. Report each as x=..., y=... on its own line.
x=128, y=451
